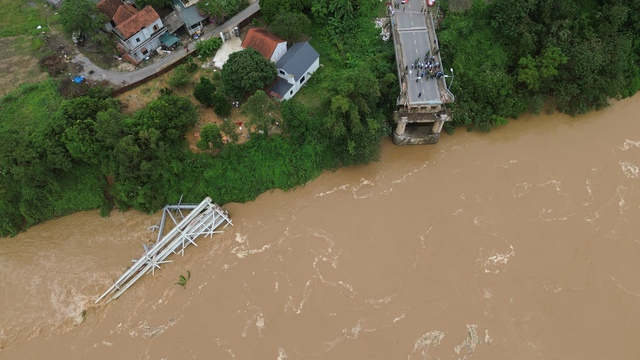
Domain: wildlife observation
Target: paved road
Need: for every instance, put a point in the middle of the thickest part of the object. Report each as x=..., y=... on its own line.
x=415, y=42
x=123, y=78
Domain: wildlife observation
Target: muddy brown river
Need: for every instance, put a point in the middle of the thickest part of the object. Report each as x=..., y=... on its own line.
x=519, y=244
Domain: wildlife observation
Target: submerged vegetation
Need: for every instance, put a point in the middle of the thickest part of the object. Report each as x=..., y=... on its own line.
x=183, y=280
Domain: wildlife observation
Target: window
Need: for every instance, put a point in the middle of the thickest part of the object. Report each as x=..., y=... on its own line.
x=302, y=79
x=156, y=27
x=291, y=92
x=137, y=39
x=282, y=72
x=145, y=51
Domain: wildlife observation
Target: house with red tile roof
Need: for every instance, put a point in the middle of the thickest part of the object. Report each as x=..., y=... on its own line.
x=138, y=32
x=270, y=46
x=123, y=13
x=109, y=7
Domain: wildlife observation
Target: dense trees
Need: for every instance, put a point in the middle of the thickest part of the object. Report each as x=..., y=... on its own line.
x=155, y=3
x=260, y=110
x=221, y=10
x=204, y=91
x=271, y=8
x=81, y=15
x=210, y=138
x=290, y=26
x=246, y=71
x=56, y=154
x=510, y=55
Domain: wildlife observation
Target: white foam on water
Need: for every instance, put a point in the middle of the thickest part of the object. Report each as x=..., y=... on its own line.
x=240, y=238
x=224, y=345
x=470, y=342
x=550, y=287
x=256, y=319
x=329, y=192
x=423, y=344
x=366, y=187
x=629, y=144
x=624, y=288
x=493, y=260
x=487, y=294
x=242, y=252
x=521, y=189
x=630, y=170
x=380, y=302
x=398, y=318
x=281, y=354
x=354, y=331
x=149, y=331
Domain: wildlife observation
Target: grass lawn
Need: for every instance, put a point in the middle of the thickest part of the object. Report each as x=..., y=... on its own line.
x=20, y=43
x=22, y=17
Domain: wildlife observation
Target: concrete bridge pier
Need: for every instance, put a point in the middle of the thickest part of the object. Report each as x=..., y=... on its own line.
x=402, y=124
x=437, y=127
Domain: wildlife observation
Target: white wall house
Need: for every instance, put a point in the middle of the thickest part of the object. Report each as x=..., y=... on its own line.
x=294, y=70
x=268, y=45
x=139, y=33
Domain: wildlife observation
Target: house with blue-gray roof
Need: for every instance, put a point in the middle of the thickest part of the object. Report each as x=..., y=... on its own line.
x=294, y=69
x=193, y=20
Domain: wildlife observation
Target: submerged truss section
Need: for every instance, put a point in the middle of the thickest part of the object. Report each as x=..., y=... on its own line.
x=203, y=219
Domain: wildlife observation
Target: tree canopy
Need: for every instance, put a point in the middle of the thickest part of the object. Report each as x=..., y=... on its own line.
x=290, y=25
x=221, y=10
x=509, y=56
x=260, y=110
x=155, y=3
x=81, y=15
x=271, y=8
x=246, y=71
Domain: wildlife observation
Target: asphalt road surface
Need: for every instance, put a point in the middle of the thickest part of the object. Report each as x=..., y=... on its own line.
x=414, y=38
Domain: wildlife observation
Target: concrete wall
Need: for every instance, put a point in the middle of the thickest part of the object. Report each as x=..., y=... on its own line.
x=298, y=84
x=279, y=51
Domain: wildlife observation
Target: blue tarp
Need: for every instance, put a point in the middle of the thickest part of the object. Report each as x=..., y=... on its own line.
x=78, y=79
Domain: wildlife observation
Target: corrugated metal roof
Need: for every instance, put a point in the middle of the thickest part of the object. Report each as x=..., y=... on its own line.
x=298, y=59
x=189, y=15
x=281, y=87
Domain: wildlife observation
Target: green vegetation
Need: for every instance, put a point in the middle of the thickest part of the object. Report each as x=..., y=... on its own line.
x=246, y=71
x=157, y=4
x=182, y=280
x=260, y=110
x=31, y=14
x=210, y=138
x=81, y=15
x=181, y=76
x=512, y=56
x=207, y=48
x=219, y=11
x=60, y=155
x=204, y=91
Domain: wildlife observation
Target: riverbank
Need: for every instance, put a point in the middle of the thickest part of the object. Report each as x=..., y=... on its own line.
x=512, y=244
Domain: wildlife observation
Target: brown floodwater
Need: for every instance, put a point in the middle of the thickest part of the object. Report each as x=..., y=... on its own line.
x=518, y=244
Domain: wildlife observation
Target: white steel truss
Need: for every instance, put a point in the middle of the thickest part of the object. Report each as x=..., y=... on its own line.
x=203, y=219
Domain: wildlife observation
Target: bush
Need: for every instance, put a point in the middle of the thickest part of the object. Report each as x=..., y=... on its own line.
x=222, y=105
x=206, y=48
x=180, y=77
x=204, y=92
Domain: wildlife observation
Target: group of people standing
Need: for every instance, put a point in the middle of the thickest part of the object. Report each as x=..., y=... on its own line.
x=426, y=69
